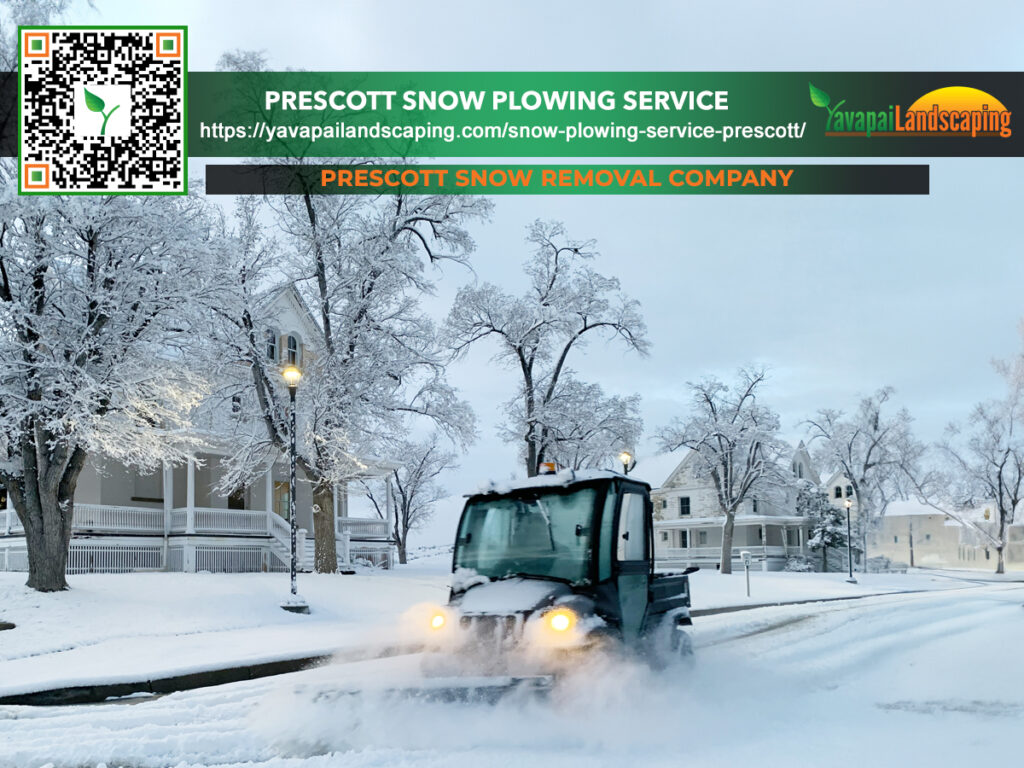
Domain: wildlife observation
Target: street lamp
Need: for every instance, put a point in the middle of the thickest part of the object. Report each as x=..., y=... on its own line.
x=628, y=461
x=295, y=604
x=849, y=539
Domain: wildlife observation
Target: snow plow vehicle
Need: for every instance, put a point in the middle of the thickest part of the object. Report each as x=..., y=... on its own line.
x=551, y=569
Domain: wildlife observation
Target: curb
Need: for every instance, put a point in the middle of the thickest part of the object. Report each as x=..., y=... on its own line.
x=734, y=608
x=97, y=694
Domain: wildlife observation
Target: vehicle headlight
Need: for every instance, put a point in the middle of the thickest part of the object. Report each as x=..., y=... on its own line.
x=438, y=620
x=560, y=619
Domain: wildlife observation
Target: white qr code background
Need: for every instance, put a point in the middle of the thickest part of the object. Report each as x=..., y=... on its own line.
x=102, y=110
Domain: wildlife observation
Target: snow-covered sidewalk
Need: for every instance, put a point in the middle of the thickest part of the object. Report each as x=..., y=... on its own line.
x=137, y=627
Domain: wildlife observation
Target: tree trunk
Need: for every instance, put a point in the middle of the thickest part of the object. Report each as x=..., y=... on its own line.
x=824, y=559
x=401, y=553
x=531, y=458
x=48, y=546
x=325, y=556
x=1000, y=565
x=726, y=565
x=44, y=501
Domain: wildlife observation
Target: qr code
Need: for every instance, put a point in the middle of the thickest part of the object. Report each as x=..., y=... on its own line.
x=102, y=110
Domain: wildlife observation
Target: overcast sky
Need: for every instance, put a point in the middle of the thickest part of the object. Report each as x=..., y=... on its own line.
x=838, y=295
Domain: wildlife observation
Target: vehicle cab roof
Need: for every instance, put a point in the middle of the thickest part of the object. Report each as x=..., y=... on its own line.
x=563, y=479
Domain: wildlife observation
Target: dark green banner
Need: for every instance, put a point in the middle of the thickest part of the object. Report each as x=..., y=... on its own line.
x=604, y=114
x=349, y=179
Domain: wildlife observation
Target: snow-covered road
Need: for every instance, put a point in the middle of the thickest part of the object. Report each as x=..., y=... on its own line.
x=930, y=679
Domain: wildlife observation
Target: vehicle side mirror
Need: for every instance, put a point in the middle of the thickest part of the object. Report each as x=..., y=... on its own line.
x=691, y=569
x=625, y=536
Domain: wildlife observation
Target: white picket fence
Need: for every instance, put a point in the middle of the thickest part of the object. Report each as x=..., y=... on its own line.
x=89, y=557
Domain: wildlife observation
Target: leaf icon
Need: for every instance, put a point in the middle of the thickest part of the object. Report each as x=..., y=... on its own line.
x=94, y=102
x=818, y=97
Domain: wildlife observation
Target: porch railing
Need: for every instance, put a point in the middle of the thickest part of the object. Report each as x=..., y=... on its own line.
x=102, y=517
x=361, y=527
x=714, y=553
x=216, y=520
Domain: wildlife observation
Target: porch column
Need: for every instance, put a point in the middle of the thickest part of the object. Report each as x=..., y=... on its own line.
x=168, y=483
x=268, y=497
x=785, y=541
x=189, y=549
x=336, y=495
x=764, y=547
x=390, y=504
x=800, y=540
x=190, y=497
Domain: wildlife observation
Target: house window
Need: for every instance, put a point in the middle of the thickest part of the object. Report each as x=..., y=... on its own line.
x=236, y=403
x=839, y=492
x=664, y=535
x=702, y=537
x=293, y=349
x=800, y=471
x=684, y=539
x=760, y=533
x=684, y=505
x=849, y=491
x=148, y=486
x=895, y=539
x=271, y=337
x=664, y=503
x=927, y=537
x=753, y=505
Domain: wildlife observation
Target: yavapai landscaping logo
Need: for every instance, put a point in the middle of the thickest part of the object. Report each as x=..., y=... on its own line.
x=95, y=104
x=954, y=111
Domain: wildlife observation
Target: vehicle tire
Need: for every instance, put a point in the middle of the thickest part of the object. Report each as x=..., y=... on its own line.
x=669, y=644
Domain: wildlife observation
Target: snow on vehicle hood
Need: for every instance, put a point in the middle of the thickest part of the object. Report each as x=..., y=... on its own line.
x=509, y=596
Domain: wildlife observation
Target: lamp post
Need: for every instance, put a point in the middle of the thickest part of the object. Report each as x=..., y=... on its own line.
x=628, y=461
x=295, y=604
x=849, y=540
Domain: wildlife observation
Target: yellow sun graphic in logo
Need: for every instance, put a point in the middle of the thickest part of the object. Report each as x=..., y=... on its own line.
x=957, y=98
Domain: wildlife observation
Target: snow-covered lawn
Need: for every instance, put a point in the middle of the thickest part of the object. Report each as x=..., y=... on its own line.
x=130, y=628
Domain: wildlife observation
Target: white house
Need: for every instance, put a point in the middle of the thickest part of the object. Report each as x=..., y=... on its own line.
x=176, y=520
x=688, y=521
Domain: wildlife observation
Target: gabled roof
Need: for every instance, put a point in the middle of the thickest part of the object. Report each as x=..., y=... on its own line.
x=289, y=294
x=836, y=478
x=676, y=474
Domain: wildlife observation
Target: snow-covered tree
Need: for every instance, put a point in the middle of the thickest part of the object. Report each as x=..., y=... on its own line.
x=827, y=523
x=100, y=300
x=876, y=452
x=567, y=304
x=417, y=489
x=585, y=427
x=983, y=463
x=736, y=441
x=359, y=265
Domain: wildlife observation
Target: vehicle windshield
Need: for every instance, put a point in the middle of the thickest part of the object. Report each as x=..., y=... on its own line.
x=547, y=535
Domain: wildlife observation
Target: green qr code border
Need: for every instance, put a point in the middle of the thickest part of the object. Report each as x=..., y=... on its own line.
x=184, y=112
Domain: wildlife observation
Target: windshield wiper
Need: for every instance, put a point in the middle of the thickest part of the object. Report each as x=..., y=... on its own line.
x=539, y=577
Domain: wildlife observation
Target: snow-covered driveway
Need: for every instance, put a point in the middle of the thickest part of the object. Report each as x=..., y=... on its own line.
x=930, y=679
